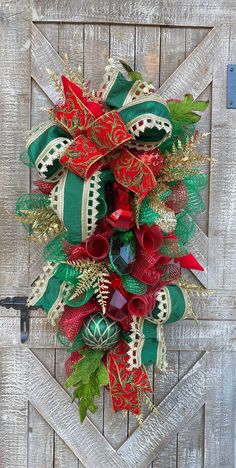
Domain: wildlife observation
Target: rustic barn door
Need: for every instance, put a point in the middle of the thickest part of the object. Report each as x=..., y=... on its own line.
x=39, y=427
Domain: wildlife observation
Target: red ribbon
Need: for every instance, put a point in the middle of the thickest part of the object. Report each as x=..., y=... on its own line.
x=97, y=135
x=125, y=385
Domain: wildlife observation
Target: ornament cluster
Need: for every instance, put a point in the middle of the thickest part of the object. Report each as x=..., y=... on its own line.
x=119, y=185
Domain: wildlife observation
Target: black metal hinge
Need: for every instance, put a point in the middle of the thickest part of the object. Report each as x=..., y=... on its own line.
x=19, y=303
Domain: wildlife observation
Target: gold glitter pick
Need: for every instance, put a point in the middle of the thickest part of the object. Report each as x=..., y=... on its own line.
x=92, y=274
x=56, y=81
x=167, y=220
x=182, y=163
x=44, y=223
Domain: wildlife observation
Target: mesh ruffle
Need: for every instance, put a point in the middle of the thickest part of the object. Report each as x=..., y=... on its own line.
x=31, y=201
x=147, y=215
x=172, y=248
x=53, y=251
x=133, y=285
x=185, y=228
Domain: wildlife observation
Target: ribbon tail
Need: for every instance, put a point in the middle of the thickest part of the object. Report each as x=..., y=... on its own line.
x=190, y=262
x=125, y=385
x=47, y=293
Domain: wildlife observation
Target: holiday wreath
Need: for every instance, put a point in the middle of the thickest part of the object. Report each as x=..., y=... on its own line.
x=119, y=186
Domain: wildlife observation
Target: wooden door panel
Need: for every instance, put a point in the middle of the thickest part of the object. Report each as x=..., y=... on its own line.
x=40, y=427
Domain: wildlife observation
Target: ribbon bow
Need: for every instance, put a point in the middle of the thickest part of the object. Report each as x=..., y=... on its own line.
x=98, y=136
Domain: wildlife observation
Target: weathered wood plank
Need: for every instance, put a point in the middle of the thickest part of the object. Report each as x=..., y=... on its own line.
x=147, y=50
x=44, y=56
x=185, y=335
x=179, y=13
x=40, y=433
x=219, y=414
x=191, y=437
x=55, y=406
x=222, y=230
x=195, y=73
x=175, y=411
x=96, y=52
x=63, y=456
x=13, y=408
x=172, y=51
x=163, y=383
x=14, y=121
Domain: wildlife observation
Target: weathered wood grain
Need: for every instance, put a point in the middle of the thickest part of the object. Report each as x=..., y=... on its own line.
x=44, y=56
x=222, y=230
x=219, y=443
x=63, y=456
x=195, y=73
x=185, y=335
x=176, y=410
x=14, y=121
x=147, y=52
x=163, y=383
x=40, y=433
x=179, y=13
x=191, y=438
x=13, y=409
x=55, y=406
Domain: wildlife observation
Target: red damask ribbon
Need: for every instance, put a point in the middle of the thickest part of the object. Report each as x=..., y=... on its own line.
x=125, y=385
x=98, y=135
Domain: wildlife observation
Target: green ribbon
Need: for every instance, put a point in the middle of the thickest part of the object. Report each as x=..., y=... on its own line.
x=79, y=203
x=44, y=146
x=149, y=109
x=171, y=305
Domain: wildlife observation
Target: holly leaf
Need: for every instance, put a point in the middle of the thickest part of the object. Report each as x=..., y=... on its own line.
x=185, y=110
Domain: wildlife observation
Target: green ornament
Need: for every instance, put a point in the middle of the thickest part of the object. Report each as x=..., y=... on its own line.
x=100, y=332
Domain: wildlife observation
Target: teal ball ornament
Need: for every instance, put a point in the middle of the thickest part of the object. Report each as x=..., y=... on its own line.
x=100, y=332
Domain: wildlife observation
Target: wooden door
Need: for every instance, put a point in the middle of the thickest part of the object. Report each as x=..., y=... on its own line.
x=181, y=48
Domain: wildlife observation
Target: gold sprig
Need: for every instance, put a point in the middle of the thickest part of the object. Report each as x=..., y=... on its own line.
x=56, y=81
x=167, y=220
x=93, y=274
x=195, y=288
x=74, y=76
x=43, y=222
x=182, y=163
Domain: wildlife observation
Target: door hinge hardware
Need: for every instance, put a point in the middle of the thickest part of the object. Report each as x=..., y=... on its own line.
x=231, y=86
x=19, y=303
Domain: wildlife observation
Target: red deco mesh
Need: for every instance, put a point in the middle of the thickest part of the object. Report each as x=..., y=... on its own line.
x=148, y=267
x=43, y=186
x=179, y=197
x=73, y=318
x=172, y=274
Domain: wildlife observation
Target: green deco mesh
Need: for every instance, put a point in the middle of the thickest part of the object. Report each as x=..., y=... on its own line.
x=53, y=251
x=147, y=215
x=24, y=158
x=62, y=340
x=173, y=248
x=133, y=285
x=185, y=228
x=31, y=201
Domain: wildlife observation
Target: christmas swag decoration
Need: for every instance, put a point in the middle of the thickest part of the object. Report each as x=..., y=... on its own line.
x=118, y=189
